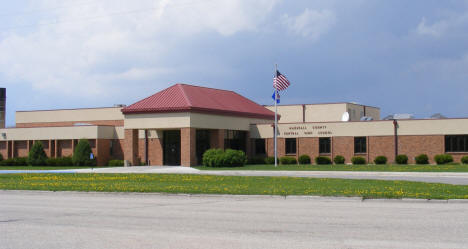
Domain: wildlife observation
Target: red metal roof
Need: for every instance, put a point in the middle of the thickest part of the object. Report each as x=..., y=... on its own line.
x=188, y=98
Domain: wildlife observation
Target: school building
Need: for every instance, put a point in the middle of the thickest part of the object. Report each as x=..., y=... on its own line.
x=175, y=126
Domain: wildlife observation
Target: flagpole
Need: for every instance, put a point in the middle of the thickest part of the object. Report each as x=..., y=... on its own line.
x=276, y=118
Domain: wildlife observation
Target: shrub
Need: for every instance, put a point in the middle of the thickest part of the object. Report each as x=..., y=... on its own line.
x=288, y=160
x=81, y=155
x=339, y=159
x=257, y=160
x=270, y=160
x=60, y=161
x=422, y=159
x=401, y=159
x=380, y=160
x=323, y=160
x=17, y=161
x=115, y=163
x=464, y=160
x=304, y=159
x=37, y=155
x=212, y=158
x=220, y=158
x=234, y=158
x=443, y=158
x=358, y=160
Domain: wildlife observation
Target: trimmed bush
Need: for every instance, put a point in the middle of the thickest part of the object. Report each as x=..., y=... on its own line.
x=60, y=161
x=339, y=159
x=422, y=159
x=257, y=160
x=401, y=159
x=380, y=160
x=220, y=158
x=234, y=158
x=443, y=159
x=464, y=160
x=81, y=155
x=358, y=160
x=115, y=163
x=17, y=161
x=270, y=160
x=37, y=155
x=304, y=159
x=323, y=160
x=288, y=160
x=213, y=158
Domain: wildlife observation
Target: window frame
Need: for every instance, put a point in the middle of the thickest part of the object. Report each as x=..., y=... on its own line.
x=290, y=146
x=360, y=147
x=456, y=143
x=327, y=145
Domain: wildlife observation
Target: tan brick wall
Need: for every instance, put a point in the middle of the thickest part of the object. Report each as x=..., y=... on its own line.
x=70, y=123
x=188, y=155
x=344, y=146
x=381, y=146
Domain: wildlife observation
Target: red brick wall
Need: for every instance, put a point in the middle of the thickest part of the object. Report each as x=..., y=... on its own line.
x=415, y=145
x=64, y=148
x=103, y=151
x=70, y=123
x=131, y=146
x=3, y=149
x=188, y=155
x=381, y=146
x=21, y=149
x=344, y=146
x=308, y=146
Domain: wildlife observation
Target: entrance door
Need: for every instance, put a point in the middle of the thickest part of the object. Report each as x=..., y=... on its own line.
x=171, y=147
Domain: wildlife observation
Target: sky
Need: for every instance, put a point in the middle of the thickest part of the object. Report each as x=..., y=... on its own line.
x=402, y=56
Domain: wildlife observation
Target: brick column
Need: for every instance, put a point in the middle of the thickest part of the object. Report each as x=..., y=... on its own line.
x=131, y=146
x=56, y=148
x=217, y=139
x=188, y=155
x=9, y=149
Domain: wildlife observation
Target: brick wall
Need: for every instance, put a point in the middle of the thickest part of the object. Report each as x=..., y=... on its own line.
x=21, y=149
x=308, y=146
x=188, y=155
x=381, y=146
x=3, y=149
x=70, y=123
x=130, y=148
x=344, y=146
x=415, y=145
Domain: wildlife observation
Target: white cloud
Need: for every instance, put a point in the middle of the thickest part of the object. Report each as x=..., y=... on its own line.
x=310, y=23
x=443, y=26
x=84, y=49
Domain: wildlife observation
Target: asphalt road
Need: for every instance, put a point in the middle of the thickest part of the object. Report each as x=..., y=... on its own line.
x=51, y=220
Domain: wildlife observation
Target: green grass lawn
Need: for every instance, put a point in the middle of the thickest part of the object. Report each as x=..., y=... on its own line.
x=245, y=185
x=46, y=167
x=383, y=168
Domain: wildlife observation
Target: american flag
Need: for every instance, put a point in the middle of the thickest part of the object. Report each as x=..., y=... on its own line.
x=280, y=82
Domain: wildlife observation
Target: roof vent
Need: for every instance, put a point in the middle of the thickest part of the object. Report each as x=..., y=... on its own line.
x=399, y=116
x=437, y=116
x=120, y=105
x=367, y=118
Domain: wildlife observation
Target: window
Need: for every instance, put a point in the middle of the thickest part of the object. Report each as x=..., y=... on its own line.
x=260, y=146
x=360, y=145
x=290, y=146
x=456, y=143
x=235, y=140
x=324, y=145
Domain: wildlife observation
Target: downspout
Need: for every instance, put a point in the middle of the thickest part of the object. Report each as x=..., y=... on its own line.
x=146, y=147
x=395, y=134
x=303, y=113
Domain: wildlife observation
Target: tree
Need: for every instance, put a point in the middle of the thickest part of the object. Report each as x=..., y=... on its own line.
x=37, y=155
x=81, y=155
